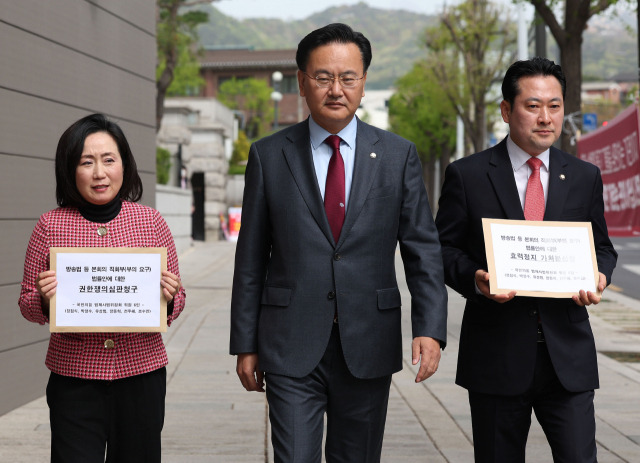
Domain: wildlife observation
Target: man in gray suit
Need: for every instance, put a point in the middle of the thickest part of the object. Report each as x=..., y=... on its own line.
x=315, y=308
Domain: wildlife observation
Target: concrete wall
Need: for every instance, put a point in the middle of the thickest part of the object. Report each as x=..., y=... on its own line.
x=205, y=129
x=235, y=190
x=175, y=206
x=61, y=60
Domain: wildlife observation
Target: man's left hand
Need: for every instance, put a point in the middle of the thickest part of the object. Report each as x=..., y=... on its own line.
x=584, y=298
x=426, y=351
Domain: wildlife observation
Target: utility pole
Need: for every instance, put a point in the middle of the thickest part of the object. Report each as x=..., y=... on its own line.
x=541, y=37
x=523, y=35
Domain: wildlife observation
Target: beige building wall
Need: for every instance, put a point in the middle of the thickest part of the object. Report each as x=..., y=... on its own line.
x=60, y=60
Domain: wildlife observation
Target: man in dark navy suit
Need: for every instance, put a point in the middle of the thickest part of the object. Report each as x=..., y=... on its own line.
x=519, y=354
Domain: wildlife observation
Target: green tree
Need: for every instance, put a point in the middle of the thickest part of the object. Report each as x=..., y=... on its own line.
x=253, y=97
x=419, y=111
x=468, y=51
x=163, y=165
x=569, y=39
x=187, y=80
x=240, y=155
x=176, y=37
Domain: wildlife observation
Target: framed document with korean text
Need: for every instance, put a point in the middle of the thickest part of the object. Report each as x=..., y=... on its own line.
x=540, y=258
x=108, y=290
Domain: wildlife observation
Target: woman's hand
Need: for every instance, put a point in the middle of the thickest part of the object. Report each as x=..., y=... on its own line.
x=47, y=284
x=170, y=285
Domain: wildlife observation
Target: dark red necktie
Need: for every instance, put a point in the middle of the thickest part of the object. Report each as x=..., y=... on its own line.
x=334, y=188
x=534, y=198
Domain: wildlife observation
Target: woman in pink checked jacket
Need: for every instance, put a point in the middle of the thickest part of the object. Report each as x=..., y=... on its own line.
x=106, y=391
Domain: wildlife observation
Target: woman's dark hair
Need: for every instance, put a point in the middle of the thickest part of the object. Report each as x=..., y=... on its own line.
x=68, y=155
x=536, y=66
x=333, y=33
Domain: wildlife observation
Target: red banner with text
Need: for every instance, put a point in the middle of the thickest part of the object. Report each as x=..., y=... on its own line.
x=615, y=150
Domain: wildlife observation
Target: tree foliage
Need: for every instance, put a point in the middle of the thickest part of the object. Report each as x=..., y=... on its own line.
x=468, y=52
x=253, y=97
x=241, y=148
x=419, y=111
x=163, y=165
x=395, y=45
x=569, y=39
x=187, y=80
x=176, y=37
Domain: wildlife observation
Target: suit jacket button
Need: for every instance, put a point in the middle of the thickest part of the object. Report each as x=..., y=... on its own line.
x=331, y=295
x=109, y=344
x=533, y=312
x=337, y=257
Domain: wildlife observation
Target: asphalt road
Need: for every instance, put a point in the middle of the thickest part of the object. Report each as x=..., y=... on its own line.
x=626, y=276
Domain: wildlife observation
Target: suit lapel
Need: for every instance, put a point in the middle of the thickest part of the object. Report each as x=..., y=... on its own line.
x=300, y=161
x=504, y=184
x=558, y=185
x=364, y=171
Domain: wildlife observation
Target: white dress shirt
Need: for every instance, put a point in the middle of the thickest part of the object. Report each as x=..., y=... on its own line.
x=522, y=171
x=322, y=153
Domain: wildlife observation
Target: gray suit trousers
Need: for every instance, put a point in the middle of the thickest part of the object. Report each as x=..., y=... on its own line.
x=356, y=412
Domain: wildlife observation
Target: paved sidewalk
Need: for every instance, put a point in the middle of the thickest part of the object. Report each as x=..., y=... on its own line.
x=210, y=418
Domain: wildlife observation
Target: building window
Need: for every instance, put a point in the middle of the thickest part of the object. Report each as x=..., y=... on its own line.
x=289, y=84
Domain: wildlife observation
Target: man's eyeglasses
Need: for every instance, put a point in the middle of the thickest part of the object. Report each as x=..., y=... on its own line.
x=327, y=80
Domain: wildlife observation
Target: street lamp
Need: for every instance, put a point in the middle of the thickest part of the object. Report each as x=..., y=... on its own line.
x=276, y=96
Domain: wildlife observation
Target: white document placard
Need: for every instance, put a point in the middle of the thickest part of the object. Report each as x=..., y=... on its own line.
x=108, y=290
x=543, y=259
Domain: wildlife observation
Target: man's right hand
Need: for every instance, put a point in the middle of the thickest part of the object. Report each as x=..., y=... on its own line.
x=482, y=282
x=250, y=376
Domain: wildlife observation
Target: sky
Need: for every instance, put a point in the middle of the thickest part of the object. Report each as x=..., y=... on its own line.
x=299, y=9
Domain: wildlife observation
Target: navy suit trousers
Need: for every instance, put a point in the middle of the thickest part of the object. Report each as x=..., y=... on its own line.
x=501, y=423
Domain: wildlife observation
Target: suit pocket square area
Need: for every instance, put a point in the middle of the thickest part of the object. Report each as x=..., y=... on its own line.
x=276, y=295
x=577, y=213
x=389, y=298
x=381, y=192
